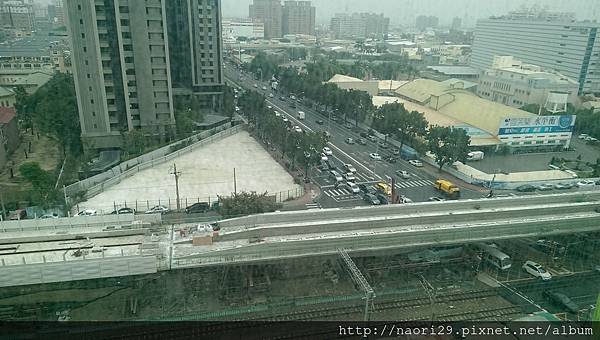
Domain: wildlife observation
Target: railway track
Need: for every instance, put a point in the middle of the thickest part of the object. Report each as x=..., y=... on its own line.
x=318, y=312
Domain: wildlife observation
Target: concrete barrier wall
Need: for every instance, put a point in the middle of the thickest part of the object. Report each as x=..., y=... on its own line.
x=96, y=184
x=27, y=274
x=66, y=222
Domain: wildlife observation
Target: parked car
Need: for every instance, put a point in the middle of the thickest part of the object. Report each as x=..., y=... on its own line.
x=157, y=209
x=536, y=270
x=375, y=156
x=404, y=199
x=256, y=85
x=371, y=199
x=336, y=176
x=391, y=159
x=125, y=210
x=383, y=199
x=327, y=151
x=402, y=174
x=416, y=162
x=352, y=187
x=545, y=187
x=320, y=122
x=264, y=88
x=87, y=212
x=362, y=141
x=197, y=208
x=282, y=98
x=297, y=129
x=349, y=126
x=350, y=168
x=526, y=188
x=323, y=165
x=349, y=141
x=363, y=188
x=324, y=157
x=395, y=152
x=372, y=138
x=364, y=134
x=435, y=199
x=382, y=145
x=46, y=216
x=560, y=299
x=562, y=186
x=349, y=177
x=271, y=95
x=586, y=183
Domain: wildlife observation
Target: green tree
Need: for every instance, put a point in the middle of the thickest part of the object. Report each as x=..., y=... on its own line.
x=134, y=142
x=42, y=182
x=448, y=144
x=228, y=102
x=410, y=125
x=246, y=203
x=24, y=106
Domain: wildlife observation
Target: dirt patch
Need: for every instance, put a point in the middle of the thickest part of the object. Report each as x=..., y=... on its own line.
x=44, y=151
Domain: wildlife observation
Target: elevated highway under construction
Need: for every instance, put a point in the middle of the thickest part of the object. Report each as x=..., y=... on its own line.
x=56, y=250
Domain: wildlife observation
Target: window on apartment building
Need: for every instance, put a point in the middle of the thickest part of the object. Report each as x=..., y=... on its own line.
x=79, y=7
x=87, y=62
x=93, y=113
x=83, y=35
x=84, y=49
x=81, y=21
x=124, y=22
x=91, y=101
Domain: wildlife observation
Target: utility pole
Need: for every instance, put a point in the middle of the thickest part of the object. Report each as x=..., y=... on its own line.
x=431, y=293
x=360, y=280
x=176, y=174
x=234, y=183
x=2, y=206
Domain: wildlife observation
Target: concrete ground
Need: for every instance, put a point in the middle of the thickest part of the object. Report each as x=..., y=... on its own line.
x=205, y=173
x=536, y=162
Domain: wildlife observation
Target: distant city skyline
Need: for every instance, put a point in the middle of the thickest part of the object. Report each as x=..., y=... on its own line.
x=404, y=12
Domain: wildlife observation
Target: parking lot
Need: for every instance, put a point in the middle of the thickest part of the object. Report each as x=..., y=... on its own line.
x=536, y=162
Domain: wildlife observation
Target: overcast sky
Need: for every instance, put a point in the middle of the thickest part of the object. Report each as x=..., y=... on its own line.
x=404, y=11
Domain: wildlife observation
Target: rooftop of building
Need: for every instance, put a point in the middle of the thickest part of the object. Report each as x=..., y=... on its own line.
x=340, y=78
x=7, y=114
x=5, y=92
x=391, y=85
x=33, y=46
x=455, y=70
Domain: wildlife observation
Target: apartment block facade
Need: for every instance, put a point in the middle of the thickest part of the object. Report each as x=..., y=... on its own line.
x=553, y=42
x=359, y=25
x=128, y=67
x=270, y=13
x=17, y=14
x=298, y=17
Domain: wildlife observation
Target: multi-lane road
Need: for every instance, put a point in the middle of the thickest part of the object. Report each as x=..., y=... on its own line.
x=419, y=187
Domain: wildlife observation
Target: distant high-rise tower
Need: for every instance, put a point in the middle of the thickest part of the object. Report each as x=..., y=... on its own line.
x=298, y=17
x=17, y=14
x=270, y=13
x=456, y=23
x=127, y=66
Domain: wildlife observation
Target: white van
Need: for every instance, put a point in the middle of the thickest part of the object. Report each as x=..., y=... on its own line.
x=336, y=175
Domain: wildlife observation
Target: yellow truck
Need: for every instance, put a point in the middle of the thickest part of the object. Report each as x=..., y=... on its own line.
x=447, y=188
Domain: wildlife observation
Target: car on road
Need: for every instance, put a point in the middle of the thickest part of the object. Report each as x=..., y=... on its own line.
x=323, y=165
x=285, y=120
x=383, y=199
x=526, y=188
x=354, y=189
x=372, y=138
x=256, y=85
x=327, y=151
x=362, y=141
x=391, y=159
x=586, y=183
x=282, y=98
x=336, y=176
x=350, y=168
x=264, y=88
x=331, y=164
x=545, y=187
x=125, y=210
x=395, y=152
x=87, y=212
x=402, y=174
x=297, y=128
x=435, y=199
x=271, y=95
x=349, y=141
x=46, y=216
x=560, y=299
x=371, y=199
x=197, y=208
x=349, y=177
x=536, y=270
x=326, y=134
x=348, y=126
x=324, y=157
x=157, y=209
x=375, y=156
x=562, y=186
x=416, y=162
x=382, y=145
x=583, y=136
x=405, y=200
x=320, y=121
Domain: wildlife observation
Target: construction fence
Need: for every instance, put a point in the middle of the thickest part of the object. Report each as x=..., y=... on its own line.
x=171, y=203
x=96, y=184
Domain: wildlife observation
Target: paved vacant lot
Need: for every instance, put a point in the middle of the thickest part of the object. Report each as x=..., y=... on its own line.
x=205, y=172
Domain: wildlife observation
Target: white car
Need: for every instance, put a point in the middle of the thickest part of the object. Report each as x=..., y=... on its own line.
x=405, y=199
x=353, y=187
x=583, y=136
x=87, y=212
x=327, y=151
x=271, y=95
x=285, y=120
x=350, y=177
x=255, y=85
x=297, y=128
x=415, y=162
x=403, y=174
x=350, y=168
x=536, y=270
x=158, y=209
x=324, y=157
x=264, y=88
x=375, y=156
x=586, y=183
x=277, y=114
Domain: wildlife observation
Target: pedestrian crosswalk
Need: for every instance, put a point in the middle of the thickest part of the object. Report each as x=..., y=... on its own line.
x=413, y=184
x=340, y=194
x=311, y=206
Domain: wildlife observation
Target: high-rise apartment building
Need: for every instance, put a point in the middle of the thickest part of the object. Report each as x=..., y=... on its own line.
x=359, y=25
x=128, y=66
x=422, y=22
x=56, y=13
x=553, y=41
x=18, y=14
x=270, y=13
x=298, y=17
